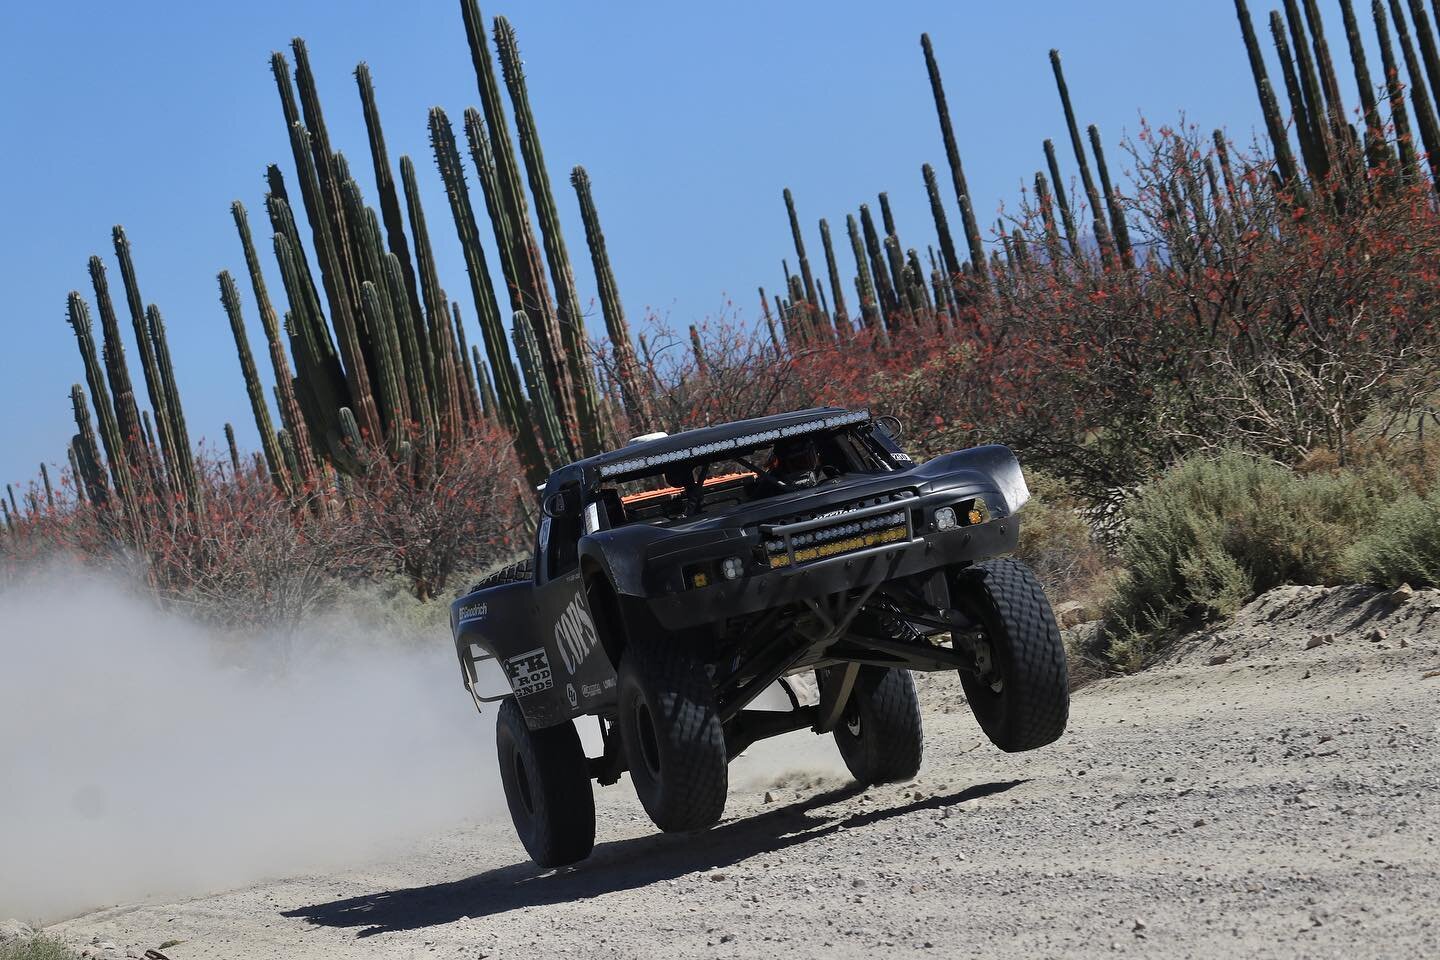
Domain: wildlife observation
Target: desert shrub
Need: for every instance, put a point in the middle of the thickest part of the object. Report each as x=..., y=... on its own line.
x=1401, y=545
x=1215, y=531
x=457, y=510
x=39, y=948
x=1058, y=543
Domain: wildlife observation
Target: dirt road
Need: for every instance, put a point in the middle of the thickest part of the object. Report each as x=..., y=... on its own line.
x=1281, y=803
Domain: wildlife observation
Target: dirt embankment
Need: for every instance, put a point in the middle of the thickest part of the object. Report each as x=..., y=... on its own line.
x=1270, y=790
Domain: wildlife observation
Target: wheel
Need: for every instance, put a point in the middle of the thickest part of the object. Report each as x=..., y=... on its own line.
x=547, y=787
x=673, y=739
x=1021, y=696
x=879, y=734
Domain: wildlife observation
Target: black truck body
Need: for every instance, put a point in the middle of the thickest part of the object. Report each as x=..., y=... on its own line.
x=547, y=638
x=663, y=600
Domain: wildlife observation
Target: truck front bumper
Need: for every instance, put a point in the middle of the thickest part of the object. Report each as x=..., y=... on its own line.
x=776, y=588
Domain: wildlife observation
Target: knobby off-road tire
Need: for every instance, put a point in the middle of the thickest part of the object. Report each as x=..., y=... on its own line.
x=880, y=734
x=673, y=738
x=1024, y=702
x=547, y=786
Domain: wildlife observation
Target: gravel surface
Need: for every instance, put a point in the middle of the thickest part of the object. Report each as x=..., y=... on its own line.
x=1270, y=790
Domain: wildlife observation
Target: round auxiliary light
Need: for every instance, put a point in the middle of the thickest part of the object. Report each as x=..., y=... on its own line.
x=945, y=519
x=731, y=568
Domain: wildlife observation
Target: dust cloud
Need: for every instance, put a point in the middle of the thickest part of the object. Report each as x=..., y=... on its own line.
x=142, y=755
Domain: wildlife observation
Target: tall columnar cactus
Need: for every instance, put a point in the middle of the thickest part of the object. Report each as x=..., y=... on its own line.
x=388, y=373
x=1102, y=232
x=1328, y=155
x=507, y=382
x=572, y=319
x=1330, y=89
x=1395, y=92
x=1274, y=125
x=1046, y=205
x=89, y=467
x=633, y=394
x=1312, y=148
x=520, y=252
x=289, y=407
x=1062, y=201
x=884, y=287
x=49, y=490
x=799, y=238
x=444, y=390
x=942, y=224
x=1378, y=151
x=234, y=449
x=335, y=275
x=110, y=436
x=482, y=377
x=320, y=385
x=155, y=328
x=76, y=481
x=952, y=154
x=390, y=209
x=1119, y=229
x=837, y=291
x=331, y=176
x=864, y=285
x=1420, y=99
x=467, y=377
x=524, y=272
x=177, y=460
x=230, y=300
x=904, y=291
x=117, y=372
x=543, y=413
x=1425, y=34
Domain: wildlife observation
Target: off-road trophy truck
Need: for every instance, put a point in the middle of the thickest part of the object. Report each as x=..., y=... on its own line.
x=677, y=579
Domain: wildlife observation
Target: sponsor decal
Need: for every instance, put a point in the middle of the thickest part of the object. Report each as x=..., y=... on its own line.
x=590, y=691
x=609, y=683
x=478, y=610
x=570, y=694
x=901, y=457
x=529, y=672
x=575, y=634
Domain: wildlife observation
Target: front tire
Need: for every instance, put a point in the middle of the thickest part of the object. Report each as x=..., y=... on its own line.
x=674, y=741
x=547, y=787
x=880, y=735
x=1021, y=697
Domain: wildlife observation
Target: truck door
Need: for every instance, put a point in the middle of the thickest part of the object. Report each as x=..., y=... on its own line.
x=584, y=676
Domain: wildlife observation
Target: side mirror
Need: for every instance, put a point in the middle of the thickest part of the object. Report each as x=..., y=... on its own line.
x=562, y=503
x=890, y=426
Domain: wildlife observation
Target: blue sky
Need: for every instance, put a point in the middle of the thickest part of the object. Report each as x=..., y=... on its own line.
x=691, y=118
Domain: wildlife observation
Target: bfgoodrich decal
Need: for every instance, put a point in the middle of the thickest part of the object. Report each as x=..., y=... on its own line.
x=575, y=634
x=529, y=672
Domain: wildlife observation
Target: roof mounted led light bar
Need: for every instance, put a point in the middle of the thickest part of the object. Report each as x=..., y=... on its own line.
x=849, y=418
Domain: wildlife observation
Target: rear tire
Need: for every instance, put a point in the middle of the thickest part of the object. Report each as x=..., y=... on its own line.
x=1023, y=701
x=880, y=734
x=547, y=787
x=673, y=738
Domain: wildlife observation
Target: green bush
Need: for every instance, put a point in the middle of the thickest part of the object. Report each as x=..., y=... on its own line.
x=1214, y=532
x=40, y=948
x=1402, y=544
